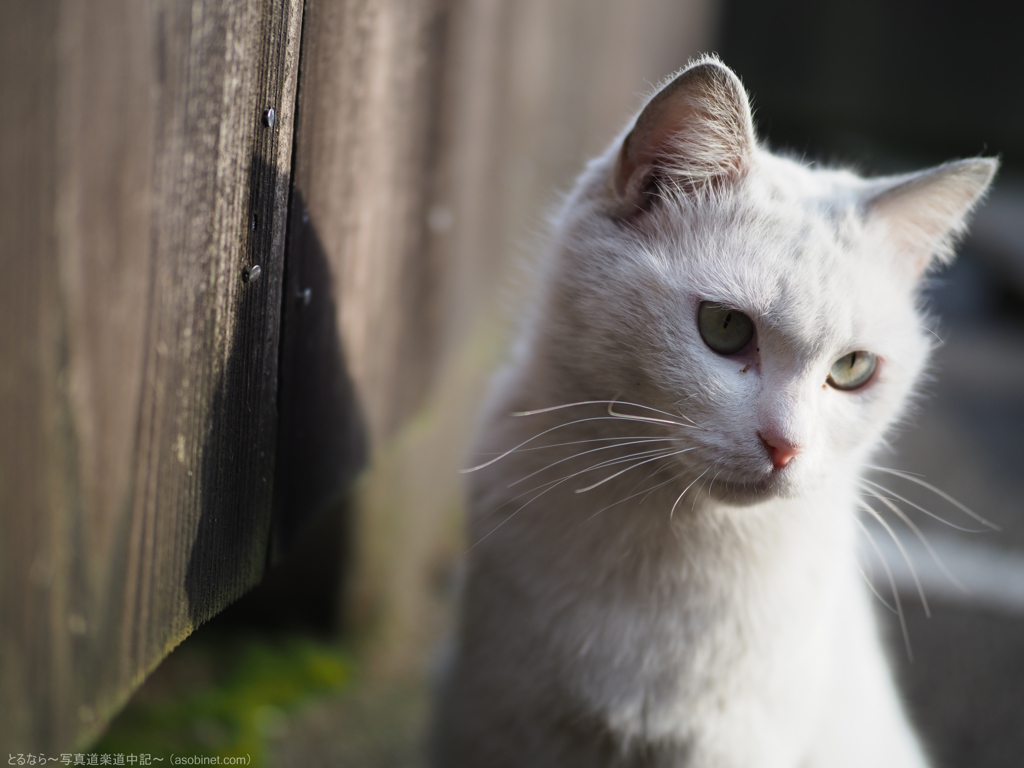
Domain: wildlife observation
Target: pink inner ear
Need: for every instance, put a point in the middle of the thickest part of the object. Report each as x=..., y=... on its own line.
x=696, y=130
x=924, y=213
x=657, y=145
x=624, y=167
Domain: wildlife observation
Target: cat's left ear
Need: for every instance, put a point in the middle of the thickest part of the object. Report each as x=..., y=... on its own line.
x=924, y=213
x=695, y=133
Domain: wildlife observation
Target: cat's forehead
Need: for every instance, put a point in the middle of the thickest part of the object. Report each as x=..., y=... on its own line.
x=798, y=261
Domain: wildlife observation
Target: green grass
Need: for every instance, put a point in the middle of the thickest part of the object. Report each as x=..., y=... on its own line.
x=225, y=696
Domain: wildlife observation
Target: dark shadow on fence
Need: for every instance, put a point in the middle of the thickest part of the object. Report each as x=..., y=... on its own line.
x=320, y=446
x=321, y=440
x=236, y=471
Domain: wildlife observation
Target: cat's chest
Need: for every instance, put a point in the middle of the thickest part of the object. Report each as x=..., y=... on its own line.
x=670, y=646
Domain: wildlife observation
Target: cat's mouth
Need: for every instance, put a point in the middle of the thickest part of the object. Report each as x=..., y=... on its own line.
x=735, y=490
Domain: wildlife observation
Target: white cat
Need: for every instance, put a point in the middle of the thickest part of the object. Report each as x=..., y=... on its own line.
x=664, y=535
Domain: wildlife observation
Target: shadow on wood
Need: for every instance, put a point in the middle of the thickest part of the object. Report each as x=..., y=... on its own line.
x=321, y=446
x=228, y=553
x=321, y=439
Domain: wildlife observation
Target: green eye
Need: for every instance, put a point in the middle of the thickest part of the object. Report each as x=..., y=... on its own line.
x=852, y=371
x=727, y=331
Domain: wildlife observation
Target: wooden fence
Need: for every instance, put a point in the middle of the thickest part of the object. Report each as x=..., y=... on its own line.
x=244, y=248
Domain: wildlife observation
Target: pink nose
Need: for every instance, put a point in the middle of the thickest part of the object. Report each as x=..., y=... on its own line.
x=780, y=451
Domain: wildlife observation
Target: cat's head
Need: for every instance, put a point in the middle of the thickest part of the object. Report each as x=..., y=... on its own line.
x=774, y=304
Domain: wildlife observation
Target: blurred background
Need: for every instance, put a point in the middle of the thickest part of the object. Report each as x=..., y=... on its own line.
x=404, y=183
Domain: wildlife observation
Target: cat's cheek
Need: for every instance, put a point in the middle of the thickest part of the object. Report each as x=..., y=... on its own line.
x=852, y=418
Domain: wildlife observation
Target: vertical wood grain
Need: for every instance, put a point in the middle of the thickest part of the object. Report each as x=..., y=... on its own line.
x=363, y=167
x=138, y=369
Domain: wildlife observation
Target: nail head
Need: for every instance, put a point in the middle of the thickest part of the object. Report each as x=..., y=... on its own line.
x=251, y=274
x=268, y=118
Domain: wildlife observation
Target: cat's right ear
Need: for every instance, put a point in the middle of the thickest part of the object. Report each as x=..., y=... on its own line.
x=924, y=213
x=697, y=132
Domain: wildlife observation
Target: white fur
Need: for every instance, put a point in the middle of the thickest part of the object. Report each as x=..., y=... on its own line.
x=727, y=624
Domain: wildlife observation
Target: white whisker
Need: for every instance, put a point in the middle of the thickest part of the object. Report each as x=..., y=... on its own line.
x=920, y=535
x=680, y=497
x=627, y=469
x=892, y=586
x=647, y=491
x=592, y=450
x=599, y=402
x=648, y=419
x=933, y=333
x=552, y=485
x=922, y=509
x=694, y=505
x=712, y=486
x=546, y=446
x=875, y=592
x=940, y=493
x=599, y=465
x=530, y=440
x=899, y=545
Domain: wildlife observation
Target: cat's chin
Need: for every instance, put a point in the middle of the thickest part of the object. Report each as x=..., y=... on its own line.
x=746, y=492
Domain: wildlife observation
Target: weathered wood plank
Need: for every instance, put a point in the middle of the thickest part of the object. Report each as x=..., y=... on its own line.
x=360, y=315
x=137, y=368
x=363, y=170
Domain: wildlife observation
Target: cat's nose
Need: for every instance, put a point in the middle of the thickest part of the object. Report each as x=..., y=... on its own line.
x=780, y=450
